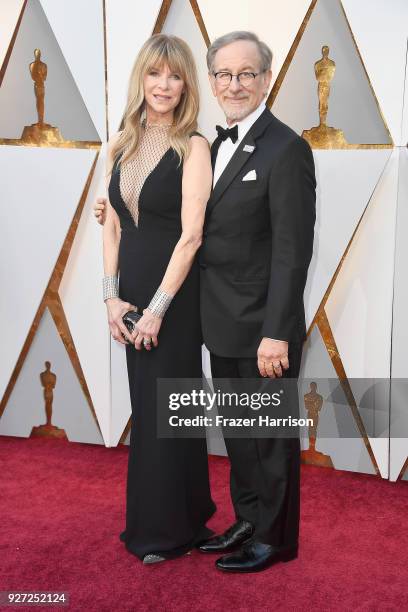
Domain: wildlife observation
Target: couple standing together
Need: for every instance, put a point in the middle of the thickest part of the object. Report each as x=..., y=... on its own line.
x=214, y=246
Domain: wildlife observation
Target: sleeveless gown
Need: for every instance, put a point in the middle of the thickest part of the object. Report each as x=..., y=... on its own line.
x=168, y=498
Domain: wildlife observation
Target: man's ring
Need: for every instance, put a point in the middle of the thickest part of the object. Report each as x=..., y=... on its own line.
x=146, y=342
x=276, y=365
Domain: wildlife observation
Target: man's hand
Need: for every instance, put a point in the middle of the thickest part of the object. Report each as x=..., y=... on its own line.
x=100, y=210
x=272, y=357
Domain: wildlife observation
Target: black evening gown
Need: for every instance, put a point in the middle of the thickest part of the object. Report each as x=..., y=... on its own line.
x=168, y=499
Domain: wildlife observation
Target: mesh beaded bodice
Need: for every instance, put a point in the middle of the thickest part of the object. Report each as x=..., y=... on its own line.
x=153, y=145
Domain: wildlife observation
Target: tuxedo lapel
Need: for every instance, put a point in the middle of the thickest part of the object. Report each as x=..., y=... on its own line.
x=246, y=147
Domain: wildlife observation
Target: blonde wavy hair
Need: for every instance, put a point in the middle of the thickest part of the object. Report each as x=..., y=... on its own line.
x=160, y=49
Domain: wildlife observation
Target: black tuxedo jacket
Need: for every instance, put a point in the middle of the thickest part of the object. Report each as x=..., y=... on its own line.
x=258, y=242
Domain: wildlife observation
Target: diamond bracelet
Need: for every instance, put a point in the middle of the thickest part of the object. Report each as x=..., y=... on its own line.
x=110, y=286
x=160, y=303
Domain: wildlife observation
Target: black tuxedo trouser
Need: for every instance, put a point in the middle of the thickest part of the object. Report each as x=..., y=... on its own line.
x=265, y=472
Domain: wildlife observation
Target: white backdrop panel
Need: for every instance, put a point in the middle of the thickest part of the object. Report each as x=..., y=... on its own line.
x=399, y=361
x=10, y=11
x=83, y=51
x=128, y=25
x=346, y=453
x=404, y=129
x=70, y=410
x=270, y=19
x=35, y=215
x=81, y=296
x=345, y=182
x=352, y=106
x=360, y=304
x=380, y=28
x=64, y=106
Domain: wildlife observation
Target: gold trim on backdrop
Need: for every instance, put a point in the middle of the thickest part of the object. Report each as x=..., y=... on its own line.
x=288, y=60
x=403, y=470
x=44, y=142
x=125, y=433
x=326, y=333
x=52, y=301
x=11, y=45
x=162, y=16
x=200, y=21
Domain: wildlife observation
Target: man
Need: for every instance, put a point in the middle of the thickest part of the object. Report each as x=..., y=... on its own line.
x=256, y=250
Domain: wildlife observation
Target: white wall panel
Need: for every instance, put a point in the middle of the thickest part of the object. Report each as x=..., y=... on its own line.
x=40, y=189
x=83, y=50
x=360, y=304
x=128, y=25
x=70, y=410
x=352, y=105
x=380, y=28
x=345, y=183
x=81, y=296
x=10, y=11
x=269, y=19
x=404, y=128
x=336, y=417
x=399, y=361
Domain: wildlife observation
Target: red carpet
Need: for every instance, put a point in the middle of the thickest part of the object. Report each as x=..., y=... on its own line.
x=62, y=508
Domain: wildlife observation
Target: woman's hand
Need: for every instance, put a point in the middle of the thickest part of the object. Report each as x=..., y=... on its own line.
x=116, y=309
x=147, y=328
x=99, y=210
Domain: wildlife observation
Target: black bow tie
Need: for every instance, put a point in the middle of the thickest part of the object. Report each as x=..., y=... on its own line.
x=223, y=134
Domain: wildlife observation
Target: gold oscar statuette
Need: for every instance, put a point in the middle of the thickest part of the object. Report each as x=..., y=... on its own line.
x=43, y=134
x=40, y=132
x=313, y=405
x=323, y=136
x=48, y=381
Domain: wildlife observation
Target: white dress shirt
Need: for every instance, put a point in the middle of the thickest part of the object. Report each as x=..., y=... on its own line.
x=227, y=147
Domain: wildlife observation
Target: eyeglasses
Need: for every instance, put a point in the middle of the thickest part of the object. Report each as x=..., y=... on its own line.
x=244, y=78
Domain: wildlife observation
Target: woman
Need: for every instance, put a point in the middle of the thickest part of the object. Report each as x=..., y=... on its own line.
x=159, y=181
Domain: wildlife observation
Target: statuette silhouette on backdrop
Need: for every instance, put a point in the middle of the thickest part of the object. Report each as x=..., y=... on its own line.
x=313, y=404
x=48, y=381
x=40, y=132
x=323, y=136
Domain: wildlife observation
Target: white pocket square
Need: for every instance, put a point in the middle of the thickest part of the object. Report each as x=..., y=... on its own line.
x=250, y=176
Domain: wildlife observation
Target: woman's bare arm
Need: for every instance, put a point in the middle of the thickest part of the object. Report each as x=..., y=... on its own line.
x=111, y=239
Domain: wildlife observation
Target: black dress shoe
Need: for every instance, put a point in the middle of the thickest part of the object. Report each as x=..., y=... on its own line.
x=236, y=535
x=255, y=556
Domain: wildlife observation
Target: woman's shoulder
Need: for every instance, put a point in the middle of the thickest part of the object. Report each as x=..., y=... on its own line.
x=195, y=133
x=198, y=141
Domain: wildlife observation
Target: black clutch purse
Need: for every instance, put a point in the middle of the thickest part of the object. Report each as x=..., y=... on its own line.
x=130, y=319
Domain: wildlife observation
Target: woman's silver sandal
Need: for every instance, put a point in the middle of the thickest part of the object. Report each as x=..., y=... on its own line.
x=152, y=558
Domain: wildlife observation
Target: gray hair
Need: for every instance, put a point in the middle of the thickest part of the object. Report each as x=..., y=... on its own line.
x=264, y=51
